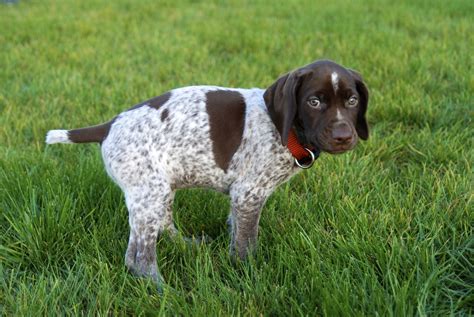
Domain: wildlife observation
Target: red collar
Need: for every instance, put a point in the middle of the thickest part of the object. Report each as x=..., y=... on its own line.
x=299, y=152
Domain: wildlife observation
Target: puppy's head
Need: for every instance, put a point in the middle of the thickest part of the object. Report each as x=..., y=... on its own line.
x=324, y=102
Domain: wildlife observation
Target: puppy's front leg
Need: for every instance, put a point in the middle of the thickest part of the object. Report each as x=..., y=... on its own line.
x=246, y=205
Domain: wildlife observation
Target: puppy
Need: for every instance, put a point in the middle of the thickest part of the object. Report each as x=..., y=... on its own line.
x=243, y=142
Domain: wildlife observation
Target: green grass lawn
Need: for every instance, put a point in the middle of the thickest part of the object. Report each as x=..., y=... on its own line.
x=384, y=230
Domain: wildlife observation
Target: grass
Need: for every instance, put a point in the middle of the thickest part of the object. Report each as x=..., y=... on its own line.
x=385, y=230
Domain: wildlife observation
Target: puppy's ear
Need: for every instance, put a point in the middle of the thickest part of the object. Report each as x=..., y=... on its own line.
x=281, y=102
x=362, y=127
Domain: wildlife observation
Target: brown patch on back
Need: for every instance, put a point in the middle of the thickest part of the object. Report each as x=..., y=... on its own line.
x=226, y=111
x=164, y=114
x=155, y=102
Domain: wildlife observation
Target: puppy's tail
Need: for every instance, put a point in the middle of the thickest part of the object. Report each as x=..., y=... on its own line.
x=96, y=133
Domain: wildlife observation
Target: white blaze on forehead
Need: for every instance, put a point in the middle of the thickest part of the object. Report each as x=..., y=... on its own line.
x=335, y=81
x=338, y=115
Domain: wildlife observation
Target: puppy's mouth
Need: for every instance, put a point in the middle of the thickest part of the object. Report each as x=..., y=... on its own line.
x=338, y=150
x=331, y=148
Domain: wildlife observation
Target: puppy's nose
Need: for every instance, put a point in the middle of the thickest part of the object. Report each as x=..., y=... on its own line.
x=341, y=133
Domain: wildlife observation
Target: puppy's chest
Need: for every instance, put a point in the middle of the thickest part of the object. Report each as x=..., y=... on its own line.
x=262, y=158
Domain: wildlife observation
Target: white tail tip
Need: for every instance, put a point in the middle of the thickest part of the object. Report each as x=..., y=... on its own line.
x=57, y=136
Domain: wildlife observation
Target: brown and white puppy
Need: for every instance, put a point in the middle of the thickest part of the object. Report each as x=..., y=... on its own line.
x=232, y=140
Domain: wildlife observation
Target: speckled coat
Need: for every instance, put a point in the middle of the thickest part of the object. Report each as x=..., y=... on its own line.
x=150, y=157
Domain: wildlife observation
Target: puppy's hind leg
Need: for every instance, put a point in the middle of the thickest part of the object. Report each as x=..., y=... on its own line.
x=149, y=207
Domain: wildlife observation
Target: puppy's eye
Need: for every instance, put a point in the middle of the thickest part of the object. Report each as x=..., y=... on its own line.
x=352, y=102
x=314, y=102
